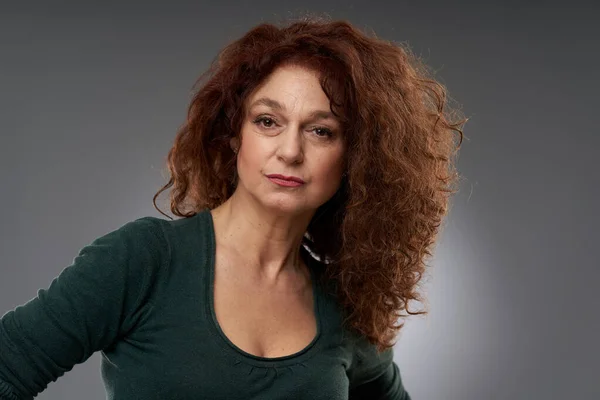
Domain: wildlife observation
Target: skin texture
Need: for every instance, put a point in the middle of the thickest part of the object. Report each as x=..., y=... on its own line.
x=263, y=294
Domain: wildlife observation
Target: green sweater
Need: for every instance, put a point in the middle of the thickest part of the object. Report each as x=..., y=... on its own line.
x=142, y=296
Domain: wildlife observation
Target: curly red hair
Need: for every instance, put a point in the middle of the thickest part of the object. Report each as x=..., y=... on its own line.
x=376, y=232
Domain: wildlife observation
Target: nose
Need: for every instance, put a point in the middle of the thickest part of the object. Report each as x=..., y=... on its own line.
x=291, y=147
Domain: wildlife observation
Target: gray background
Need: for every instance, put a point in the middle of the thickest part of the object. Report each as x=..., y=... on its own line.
x=91, y=97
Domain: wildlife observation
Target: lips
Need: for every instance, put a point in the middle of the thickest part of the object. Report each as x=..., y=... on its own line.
x=286, y=178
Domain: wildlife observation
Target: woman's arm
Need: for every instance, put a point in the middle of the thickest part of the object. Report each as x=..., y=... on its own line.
x=85, y=309
x=375, y=376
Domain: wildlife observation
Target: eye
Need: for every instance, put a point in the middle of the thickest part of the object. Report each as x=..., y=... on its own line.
x=265, y=121
x=323, y=132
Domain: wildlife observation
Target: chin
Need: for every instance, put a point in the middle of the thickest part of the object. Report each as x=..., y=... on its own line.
x=284, y=208
x=286, y=205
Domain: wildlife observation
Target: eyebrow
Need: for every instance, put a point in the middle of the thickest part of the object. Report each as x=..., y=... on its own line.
x=275, y=105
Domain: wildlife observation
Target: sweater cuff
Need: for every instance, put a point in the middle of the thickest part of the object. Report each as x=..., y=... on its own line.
x=7, y=392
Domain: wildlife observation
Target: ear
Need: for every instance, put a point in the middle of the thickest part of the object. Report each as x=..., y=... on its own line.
x=234, y=144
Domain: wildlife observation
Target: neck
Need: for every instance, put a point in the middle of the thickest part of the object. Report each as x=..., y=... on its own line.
x=268, y=243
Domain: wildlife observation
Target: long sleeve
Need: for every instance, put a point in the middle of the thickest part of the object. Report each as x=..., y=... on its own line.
x=89, y=305
x=375, y=376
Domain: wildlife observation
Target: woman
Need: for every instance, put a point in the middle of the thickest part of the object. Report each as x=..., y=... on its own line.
x=312, y=173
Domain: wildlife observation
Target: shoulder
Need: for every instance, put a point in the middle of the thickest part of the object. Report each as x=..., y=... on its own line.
x=143, y=228
x=141, y=234
x=158, y=238
x=158, y=233
x=140, y=242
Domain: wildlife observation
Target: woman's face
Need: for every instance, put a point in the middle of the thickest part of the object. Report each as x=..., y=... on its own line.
x=288, y=129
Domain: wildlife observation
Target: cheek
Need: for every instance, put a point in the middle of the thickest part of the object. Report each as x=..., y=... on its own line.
x=334, y=163
x=251, y=158
x=329, y=172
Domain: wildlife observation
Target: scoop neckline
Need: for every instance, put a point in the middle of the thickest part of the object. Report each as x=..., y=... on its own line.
x=227, y=344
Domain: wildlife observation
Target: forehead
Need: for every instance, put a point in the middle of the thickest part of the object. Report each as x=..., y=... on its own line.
x=290, y=88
